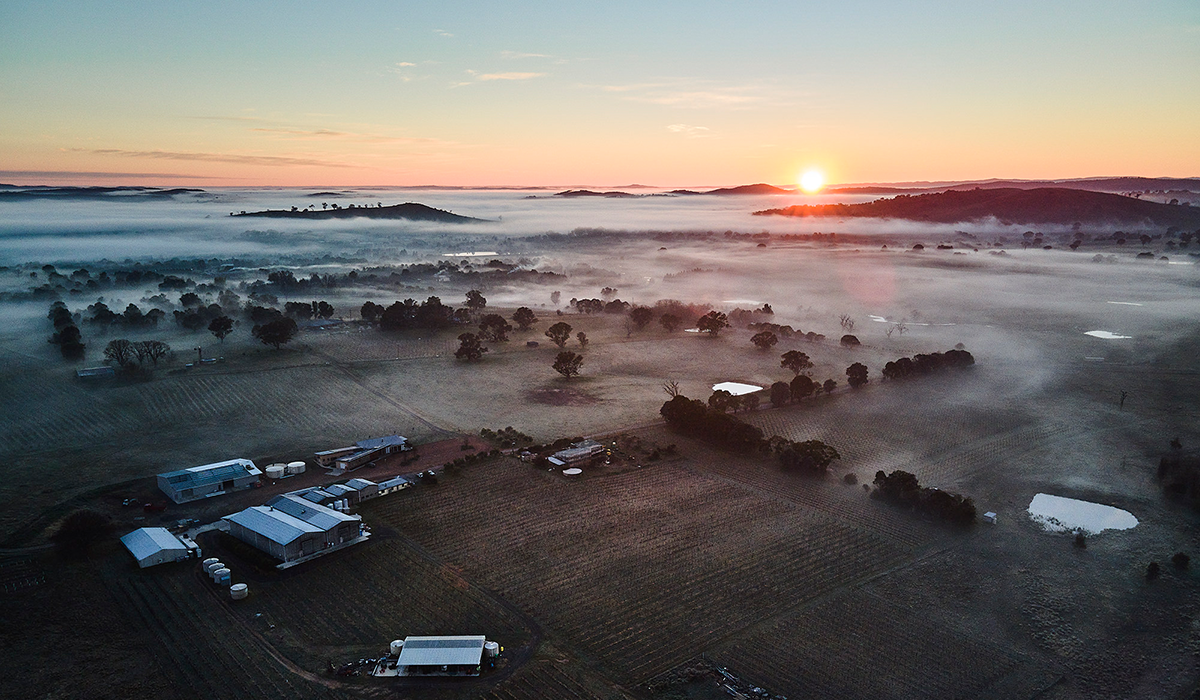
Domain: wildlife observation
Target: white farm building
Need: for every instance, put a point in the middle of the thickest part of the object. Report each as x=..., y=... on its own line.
x=441, y=656
x=293, y=529
x=214, y=479
x=156, y=545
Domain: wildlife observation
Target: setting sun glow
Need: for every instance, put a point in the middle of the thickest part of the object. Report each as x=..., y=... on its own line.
x=812, y=181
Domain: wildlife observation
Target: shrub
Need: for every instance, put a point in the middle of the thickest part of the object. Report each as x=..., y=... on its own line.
x=1180, y=560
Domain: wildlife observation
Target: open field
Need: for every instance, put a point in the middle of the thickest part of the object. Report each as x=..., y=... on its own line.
x=598, y=586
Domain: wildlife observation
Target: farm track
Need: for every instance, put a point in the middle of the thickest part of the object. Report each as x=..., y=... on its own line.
x=203, y=644
x=705, y=559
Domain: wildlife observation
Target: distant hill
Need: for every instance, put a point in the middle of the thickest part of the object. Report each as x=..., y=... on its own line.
x=1045, y=205
x=760, y=188
x=409, y=210
x=1095, y=184
x=17, y=192
x=569, y=194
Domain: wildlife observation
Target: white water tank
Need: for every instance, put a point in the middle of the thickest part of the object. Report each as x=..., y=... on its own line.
x=396, y=647
x=206, y=562
x=239, y=591
x=212, y=565
x=276, y=471
x=491, y=649
x=221, y=575
x=295, y=467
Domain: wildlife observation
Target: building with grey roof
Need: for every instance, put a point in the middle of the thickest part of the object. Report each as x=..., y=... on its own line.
x=208, y=480
x=441, y=656
x=293, y=529
x=151, y=546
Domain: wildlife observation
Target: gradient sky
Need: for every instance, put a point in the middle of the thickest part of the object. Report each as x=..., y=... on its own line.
x=661, y=93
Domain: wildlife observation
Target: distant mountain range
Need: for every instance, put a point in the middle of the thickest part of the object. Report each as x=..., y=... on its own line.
x=757, y=189
x=410, y=211
x=1043, y=205
x=16, y=192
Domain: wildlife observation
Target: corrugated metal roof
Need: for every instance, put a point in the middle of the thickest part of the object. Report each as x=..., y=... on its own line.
x=211, y=473
x=359, y=484
x=339, y=490
x=273, y=524
x=393, y=482
x=442, y=651
x=149, y=541
x=312, y=513
x=385, y=441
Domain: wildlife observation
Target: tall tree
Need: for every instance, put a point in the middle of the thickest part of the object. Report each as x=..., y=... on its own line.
x=494, y=328
x=802, y=387
x=120, y=351
x=470, y=347
x=712, y=323
x=524, y=318
x=475, y=300
x=221, y=326
x=796, y=361
x=856, y=375
x=276, y=333
x=155, y=350
x=568, y=363
x=641, y=316
x=559, y=333
x=670, y=322
x=765, y=340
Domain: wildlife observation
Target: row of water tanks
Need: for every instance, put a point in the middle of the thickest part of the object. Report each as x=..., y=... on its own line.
x=221, y=575
x=280, y=470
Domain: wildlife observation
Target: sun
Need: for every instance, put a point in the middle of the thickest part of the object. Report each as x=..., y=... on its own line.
x=812, y=181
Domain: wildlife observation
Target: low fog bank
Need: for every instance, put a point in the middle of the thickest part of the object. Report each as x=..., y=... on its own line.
x=70, y=231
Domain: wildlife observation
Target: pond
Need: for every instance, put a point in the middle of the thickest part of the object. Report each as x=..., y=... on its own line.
x=1059, y=514
x=736, y=388
x=1107, y=335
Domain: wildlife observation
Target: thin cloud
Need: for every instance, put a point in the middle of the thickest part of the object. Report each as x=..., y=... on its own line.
x=519, y=54
x=405, y=64
x=212, y=157
x=701, y=94
x=442, y=32
x=507, y=76
x=690, y=131
x=97, y=174
x=330, y=134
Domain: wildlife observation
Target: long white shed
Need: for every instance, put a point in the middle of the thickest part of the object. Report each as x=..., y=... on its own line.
x=155, y=545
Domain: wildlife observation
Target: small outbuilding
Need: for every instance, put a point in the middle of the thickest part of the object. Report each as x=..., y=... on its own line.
x=441, y=656
x=155, y=545
x=989, y=517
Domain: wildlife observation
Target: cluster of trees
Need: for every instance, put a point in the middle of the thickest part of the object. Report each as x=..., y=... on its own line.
x=712, y=323
x=927, y=364
x=103, y=317
x=277, y=332
x=801, y=387
x=306, y=310
x=783, y=332
x=66, y=334
x=470, y=347
x=430, y=314
x=811, y=457
x=596, y=306
x=723, y=401
x=127, y=354
x=506, y=437
x=695, y=418
x=902, y=488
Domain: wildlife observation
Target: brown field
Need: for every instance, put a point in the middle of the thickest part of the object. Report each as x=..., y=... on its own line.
x=598, y=586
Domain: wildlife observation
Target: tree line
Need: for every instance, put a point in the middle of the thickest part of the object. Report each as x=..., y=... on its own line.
x=903, y=489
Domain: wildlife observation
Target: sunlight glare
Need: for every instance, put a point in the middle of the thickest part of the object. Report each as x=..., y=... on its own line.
x=812, y=181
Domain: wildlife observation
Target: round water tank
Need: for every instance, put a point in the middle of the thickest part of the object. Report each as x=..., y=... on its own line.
x=210, y=560
x=239, y=591
x=491, y=649
x=276, y=471
x=220, y=574
x=573, y=471
x=212, y=566
x=396, y=647
x=295, y=467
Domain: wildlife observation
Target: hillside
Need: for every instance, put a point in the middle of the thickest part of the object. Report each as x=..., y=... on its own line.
x=1046, y=205
x=410, y=211
x=1095, y=184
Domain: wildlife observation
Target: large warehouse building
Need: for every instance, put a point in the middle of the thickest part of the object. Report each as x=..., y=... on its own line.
x=214, y=479
x=293, y=529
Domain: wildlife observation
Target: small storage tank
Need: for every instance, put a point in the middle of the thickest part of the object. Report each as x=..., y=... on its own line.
x=206, y=562
x=212, y=565
x=491, y=649
x=295, y=467
x=221, y=576
x=397, y=647
x=276, y=471
x=239, y=591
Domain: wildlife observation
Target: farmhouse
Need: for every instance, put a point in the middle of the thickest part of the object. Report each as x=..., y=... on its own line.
x=364, y=451
x=156, y=545
x=578, y=453
x=209, y=480
x=441, y=656
x=293, y=529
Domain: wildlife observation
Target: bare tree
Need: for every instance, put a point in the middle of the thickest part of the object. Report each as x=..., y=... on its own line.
x=671, y=387
x=847, y=322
